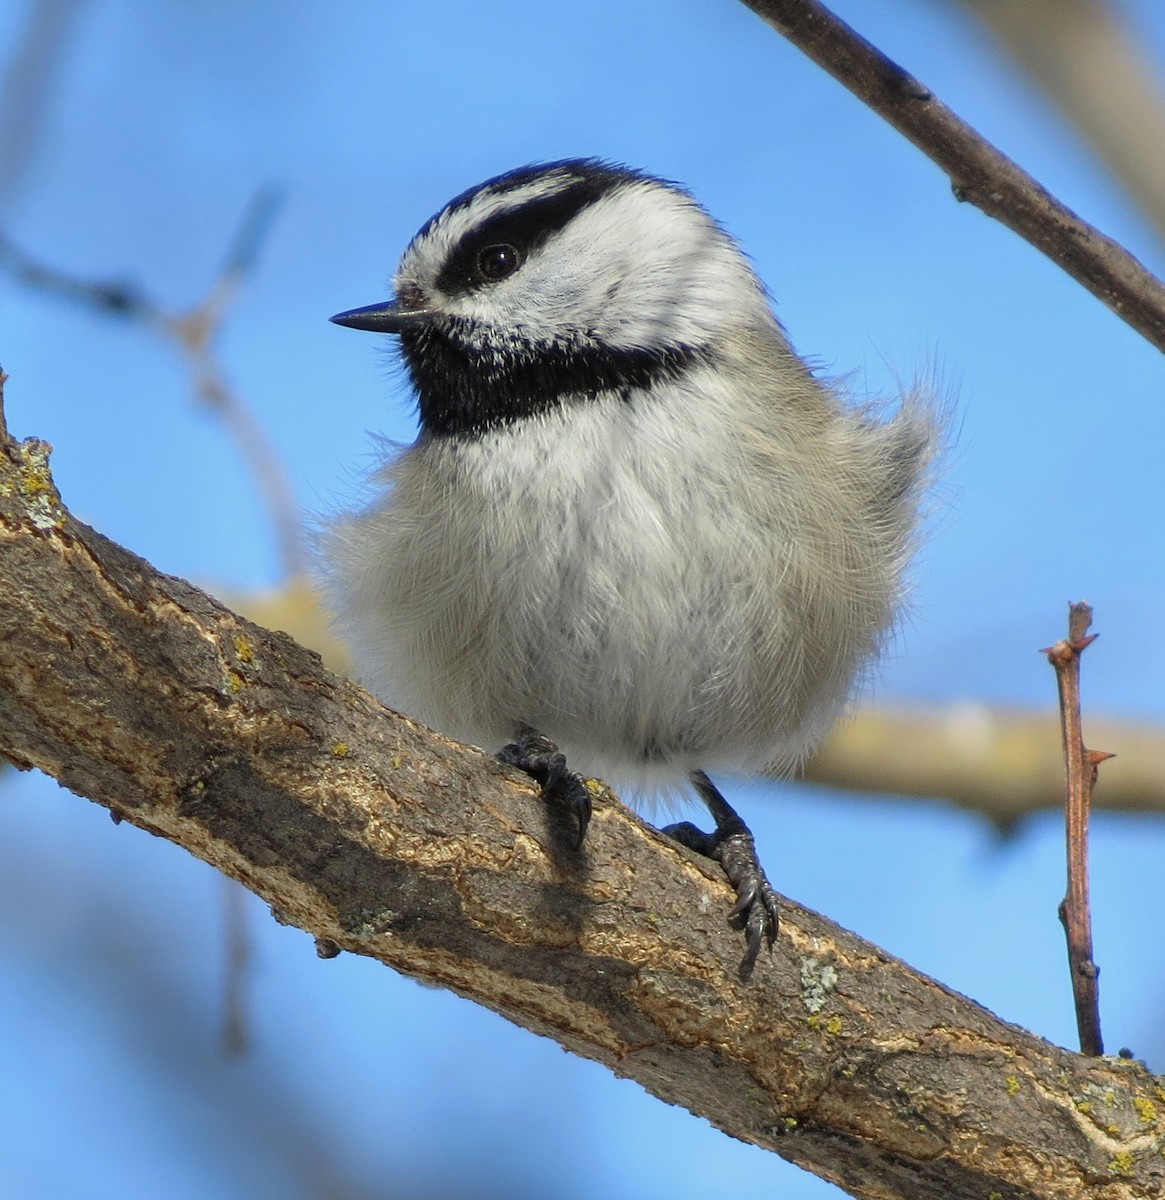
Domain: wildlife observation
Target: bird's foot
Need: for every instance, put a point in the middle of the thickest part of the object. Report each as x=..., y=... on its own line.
x=540, y=758
x=732, y=846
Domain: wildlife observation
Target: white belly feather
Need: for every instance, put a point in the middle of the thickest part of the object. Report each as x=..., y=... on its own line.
x=650, y=585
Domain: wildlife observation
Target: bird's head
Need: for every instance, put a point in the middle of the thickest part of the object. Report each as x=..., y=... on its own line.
x=556, y=283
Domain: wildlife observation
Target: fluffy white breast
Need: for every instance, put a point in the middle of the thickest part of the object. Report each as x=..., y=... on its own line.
x=655, y=585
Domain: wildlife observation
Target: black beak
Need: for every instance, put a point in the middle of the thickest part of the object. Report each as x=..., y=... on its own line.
x=389, y=317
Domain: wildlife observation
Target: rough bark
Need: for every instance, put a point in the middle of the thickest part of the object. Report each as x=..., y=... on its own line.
x=144, y=694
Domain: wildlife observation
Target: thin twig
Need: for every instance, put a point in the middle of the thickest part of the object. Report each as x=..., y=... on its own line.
x=1081, y=768
x=978, y=171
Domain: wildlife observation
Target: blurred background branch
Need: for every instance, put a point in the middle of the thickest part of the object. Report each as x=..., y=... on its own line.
x=1002, y=763
x=27, y=85
x=195, y=332
x=1086, y=57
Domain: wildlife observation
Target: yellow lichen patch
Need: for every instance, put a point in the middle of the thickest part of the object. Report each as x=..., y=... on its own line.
x=341, y=749
x=833, y=1026
x=1012, y=1085
x=235, y=682
x=1146, y=1110
x=1084, y=1106
x=396, y=761
x=244, y=649
x=36, y=486
x=600, y=792
x=34, y=483
x=1122, y=1163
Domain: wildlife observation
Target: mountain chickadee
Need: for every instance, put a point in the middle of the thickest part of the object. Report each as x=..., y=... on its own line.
x=635, y=529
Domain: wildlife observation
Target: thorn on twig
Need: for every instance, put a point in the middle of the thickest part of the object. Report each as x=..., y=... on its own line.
x=1068, y=648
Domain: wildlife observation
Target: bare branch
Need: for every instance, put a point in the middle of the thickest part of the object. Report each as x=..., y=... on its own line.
x=382, y=838
x=235, y=1036
x=978, y=171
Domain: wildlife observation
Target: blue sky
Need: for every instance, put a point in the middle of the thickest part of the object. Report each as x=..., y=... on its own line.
x=368, y=116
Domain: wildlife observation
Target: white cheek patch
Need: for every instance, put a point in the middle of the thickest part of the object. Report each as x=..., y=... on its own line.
x=643, y=267
x=541, y=300
x=677, y=276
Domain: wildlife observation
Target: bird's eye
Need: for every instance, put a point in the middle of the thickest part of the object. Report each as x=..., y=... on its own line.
x=496, y=262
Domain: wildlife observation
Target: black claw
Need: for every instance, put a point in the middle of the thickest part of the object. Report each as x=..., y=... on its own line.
x=755, y=910
x=541, y=759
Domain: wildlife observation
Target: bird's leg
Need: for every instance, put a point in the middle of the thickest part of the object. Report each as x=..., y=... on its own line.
x=732, y=847
x=541, y=759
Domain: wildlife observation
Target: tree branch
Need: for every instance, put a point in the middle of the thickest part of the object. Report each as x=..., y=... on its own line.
x=978, y=171
x=382, y=838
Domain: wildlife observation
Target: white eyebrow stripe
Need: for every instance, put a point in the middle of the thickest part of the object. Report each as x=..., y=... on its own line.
x=451, y=225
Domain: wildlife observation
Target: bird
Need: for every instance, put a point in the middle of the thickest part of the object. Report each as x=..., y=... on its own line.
x=637, y=537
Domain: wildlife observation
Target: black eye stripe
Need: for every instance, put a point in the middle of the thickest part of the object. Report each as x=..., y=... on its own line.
x=528, y=226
